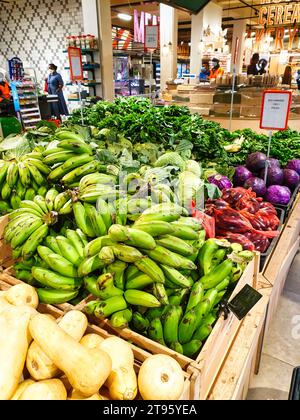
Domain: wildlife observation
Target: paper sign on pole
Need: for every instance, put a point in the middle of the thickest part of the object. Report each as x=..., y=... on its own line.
x=275, y=110
x=75, y=59
x=151, y=37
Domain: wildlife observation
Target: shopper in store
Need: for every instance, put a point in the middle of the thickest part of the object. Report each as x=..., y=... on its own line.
x=253, y=66
x=205, y=72
x=55, y=86
x=262, y=64
x=216, y=69
x=298, y=79
x=287, y=76
x=4, y=90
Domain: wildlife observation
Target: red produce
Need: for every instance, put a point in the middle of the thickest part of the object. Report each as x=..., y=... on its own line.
x=260, y=242
x=240, y=239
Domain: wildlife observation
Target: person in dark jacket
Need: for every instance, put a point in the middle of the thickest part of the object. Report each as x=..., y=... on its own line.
x=55, y=86
x=252, y=68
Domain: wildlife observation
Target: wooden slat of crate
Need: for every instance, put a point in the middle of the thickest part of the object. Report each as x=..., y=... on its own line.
x=233, y=380
x=6, y=259
x=219, y=342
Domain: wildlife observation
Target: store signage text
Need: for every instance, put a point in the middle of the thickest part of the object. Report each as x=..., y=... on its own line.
x=281, y=14
x=140, y=22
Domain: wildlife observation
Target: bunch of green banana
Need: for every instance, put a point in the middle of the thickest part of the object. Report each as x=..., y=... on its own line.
x=22, y=179
x=98, y=186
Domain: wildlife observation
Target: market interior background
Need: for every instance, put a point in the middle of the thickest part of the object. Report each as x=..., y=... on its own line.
x=36, y=31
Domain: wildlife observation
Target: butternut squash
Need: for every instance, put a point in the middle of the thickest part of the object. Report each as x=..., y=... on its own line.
x=39, y=365
x=51, y=389
x=122, y=382
x=91, y=341
x=86, y=369
x=22, y=294
x=21, y=388
x=14, y=343
x=160, y=378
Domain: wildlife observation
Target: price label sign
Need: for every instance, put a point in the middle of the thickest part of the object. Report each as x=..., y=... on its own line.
x=275, y=110
x=75, y=60
x=151, y=37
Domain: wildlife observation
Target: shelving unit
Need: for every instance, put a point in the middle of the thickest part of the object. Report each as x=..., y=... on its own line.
x=29, y=103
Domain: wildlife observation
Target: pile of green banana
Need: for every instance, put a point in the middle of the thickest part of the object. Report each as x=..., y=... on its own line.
x=70, y=159
x=22, y=180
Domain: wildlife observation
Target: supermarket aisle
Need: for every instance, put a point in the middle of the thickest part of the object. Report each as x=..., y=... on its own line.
x=281, y=352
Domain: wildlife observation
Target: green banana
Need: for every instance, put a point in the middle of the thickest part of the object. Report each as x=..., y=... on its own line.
x=155, y=331
x=50, y=198
x=192, y=348
x=68, y=250
x=218, y=257
x=89, y=265
x=206, y=255
x=27, y=204
x=82, y=237
x=160, y=293
x=171, y=322
x=139, y=282
x=55, y=297
x=148, y=266
x=160, y=254
x=202, y=332
x=75, y=241
x=82, y=221
x=15, y=201
x=187, y=327
x=96, y=220
x=184, y=232
x=223, y=285
x=17, y=225
x=190, y=222
x=3, y=171
x=211, y=295
x=60, y=156
x=131, y=272
x=70, y=164
x=30, y=194
x=35, y=173
x=176, y=347
x=176, y=278
x=139, y=322
x=22, y=236
x=76, y=146
x=153, y=313
x=51, y=243
x=70, y=177
x=92, y=180
x=103, y=209
x=50, y=150
x=149, y=218
x=121, y=319
x=177, y=245
x=210, y=319
x=5, y=191
x=196, y=296
x=95, y=246
x=155, y=228
x=201, y=311
x=12, y=174
x=126, y=253
x=217, y=275
x=53, y=280
x=23, y=212
x=106, y=255
x=20, y=189
x=26, y=276
x=117, y=268
x=69, y=136
x=42, y=191
x=132, y=237
x=56, y=262
x=60, y=200
x=37, y=237
x=104, y=287
x=39, y=165
x=178, y=296
x=219, y=297
x=137, y=297
x=107, y=307
x=41, y=202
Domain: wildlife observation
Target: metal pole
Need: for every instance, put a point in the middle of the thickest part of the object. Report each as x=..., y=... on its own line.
x=151, y=75
x=232, y=97
x=80, y=102
x=268, y=155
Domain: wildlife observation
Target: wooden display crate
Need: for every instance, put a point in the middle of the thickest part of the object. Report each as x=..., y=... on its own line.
x=191, y=375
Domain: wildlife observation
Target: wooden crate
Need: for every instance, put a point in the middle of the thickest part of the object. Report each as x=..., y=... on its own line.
x=234, y=378
x=191, y=382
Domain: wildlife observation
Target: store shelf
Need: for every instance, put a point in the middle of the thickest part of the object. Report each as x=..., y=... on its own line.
x=32, y=114
x=30, y=110
x=88, y=67
x=34, y=120
x=84, y=51
x=85, y=84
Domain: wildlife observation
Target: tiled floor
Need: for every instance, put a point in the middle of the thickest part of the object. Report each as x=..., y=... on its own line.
x=281, y=351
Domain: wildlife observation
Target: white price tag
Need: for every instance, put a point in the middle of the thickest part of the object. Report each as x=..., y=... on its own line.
x=275, y=110
x=151, y=37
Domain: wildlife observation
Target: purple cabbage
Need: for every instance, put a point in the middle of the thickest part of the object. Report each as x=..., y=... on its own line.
x=278, y=194
x=291, y=178
x=274, y=177
x=220, y=181
x=273, y=162
x=256, y=161
x=257, y=184
x=241, y=175
x=295, y=165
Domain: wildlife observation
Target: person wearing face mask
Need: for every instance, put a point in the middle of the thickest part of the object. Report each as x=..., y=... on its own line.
x=205, y=73
x=216, y=69
x=55, y=85
x=4, y=90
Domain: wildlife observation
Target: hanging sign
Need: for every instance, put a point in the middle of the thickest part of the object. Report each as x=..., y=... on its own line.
x=275, y=110
x=151, y=37
x=75, y=60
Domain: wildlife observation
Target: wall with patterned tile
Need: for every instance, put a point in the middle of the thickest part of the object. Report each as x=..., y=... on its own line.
x=35, y=31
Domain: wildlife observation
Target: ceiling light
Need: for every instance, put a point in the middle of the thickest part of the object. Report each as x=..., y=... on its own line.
x=124, y=16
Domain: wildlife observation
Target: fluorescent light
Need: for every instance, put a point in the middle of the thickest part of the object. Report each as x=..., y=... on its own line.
x=124, y=16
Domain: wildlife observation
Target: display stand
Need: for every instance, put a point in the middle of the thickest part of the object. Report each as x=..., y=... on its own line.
x=28, y=100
